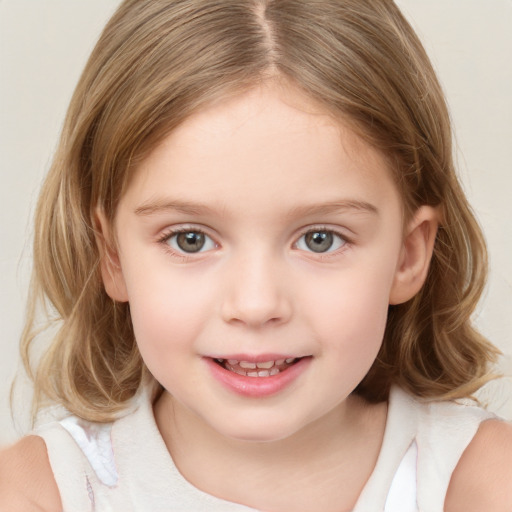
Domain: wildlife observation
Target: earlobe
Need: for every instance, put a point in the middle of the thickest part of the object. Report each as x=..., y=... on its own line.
x=417, y=249
x=111, y=271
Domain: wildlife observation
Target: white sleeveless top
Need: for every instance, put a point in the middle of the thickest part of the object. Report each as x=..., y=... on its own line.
x=125, y=466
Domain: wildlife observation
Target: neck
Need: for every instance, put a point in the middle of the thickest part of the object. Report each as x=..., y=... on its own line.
x=324, y=466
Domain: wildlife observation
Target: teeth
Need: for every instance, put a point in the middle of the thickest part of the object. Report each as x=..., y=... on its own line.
x=261, y=369
x=246, y=364
x=252, y=366
x=262, y=373
x=266, y=365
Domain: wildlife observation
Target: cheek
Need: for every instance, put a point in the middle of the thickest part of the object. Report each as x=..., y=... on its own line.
x=167, y=313
x=351, y=333
x=350, y=316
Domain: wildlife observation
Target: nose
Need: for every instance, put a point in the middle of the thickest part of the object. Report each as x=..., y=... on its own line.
x=257, y=292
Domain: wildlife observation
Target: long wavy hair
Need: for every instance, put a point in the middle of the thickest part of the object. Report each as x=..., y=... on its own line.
x=158, y=62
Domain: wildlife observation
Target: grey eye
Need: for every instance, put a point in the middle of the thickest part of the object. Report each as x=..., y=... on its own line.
x=191, y=242
x=320, y=241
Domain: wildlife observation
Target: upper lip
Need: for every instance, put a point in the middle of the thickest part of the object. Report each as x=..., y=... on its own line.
x=256, y=358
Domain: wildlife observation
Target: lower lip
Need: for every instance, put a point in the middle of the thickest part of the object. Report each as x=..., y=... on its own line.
x=257, y=387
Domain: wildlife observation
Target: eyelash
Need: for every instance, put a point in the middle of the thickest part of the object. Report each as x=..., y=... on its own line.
x=346, y=242
x=164, y=240
x=166, y=236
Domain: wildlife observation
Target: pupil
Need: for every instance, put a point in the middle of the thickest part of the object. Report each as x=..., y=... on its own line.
x=319, y=241
x=190, y=242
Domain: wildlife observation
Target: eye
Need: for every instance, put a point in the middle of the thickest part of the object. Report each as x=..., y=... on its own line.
x=190, y=241
x=320, y=241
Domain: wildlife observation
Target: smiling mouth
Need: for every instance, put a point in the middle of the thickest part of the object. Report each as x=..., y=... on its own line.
x=260, y=369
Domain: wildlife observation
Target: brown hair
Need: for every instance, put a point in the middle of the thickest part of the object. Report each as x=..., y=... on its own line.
x=159, y=61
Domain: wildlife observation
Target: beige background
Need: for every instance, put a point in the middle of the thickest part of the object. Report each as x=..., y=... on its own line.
x=44, y=45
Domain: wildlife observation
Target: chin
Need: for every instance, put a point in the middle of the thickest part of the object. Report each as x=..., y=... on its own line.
x=258, y=432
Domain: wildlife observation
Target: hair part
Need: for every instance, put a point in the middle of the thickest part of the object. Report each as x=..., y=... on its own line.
x=159, y=61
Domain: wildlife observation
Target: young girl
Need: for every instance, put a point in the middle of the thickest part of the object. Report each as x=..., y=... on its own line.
x=263, y=269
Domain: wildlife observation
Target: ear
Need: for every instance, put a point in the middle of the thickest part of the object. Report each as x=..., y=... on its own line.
x=111, y=271
x=415, y=256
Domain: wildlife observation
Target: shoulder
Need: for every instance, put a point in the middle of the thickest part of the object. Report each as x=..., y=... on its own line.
x=26, y=478
x=482, y=479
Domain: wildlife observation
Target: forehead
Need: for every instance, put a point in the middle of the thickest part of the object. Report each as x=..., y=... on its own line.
x=271, y=141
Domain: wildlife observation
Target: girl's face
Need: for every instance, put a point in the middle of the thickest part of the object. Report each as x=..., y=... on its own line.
x=260, y=238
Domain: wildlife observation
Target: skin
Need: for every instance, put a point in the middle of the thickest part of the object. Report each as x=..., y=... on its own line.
x=255, y=173
x=26, y=478
x=255, y=289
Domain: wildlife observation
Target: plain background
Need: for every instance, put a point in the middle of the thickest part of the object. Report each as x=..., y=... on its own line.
x=43, y=48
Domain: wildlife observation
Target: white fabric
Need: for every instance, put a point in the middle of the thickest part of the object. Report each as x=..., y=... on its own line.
x=95, y=442
x=126, y=466
x=402, y=493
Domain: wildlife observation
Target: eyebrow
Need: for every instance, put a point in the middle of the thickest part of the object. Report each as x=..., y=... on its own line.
x=163, y=206
x=189, y=208
x=335, y=207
